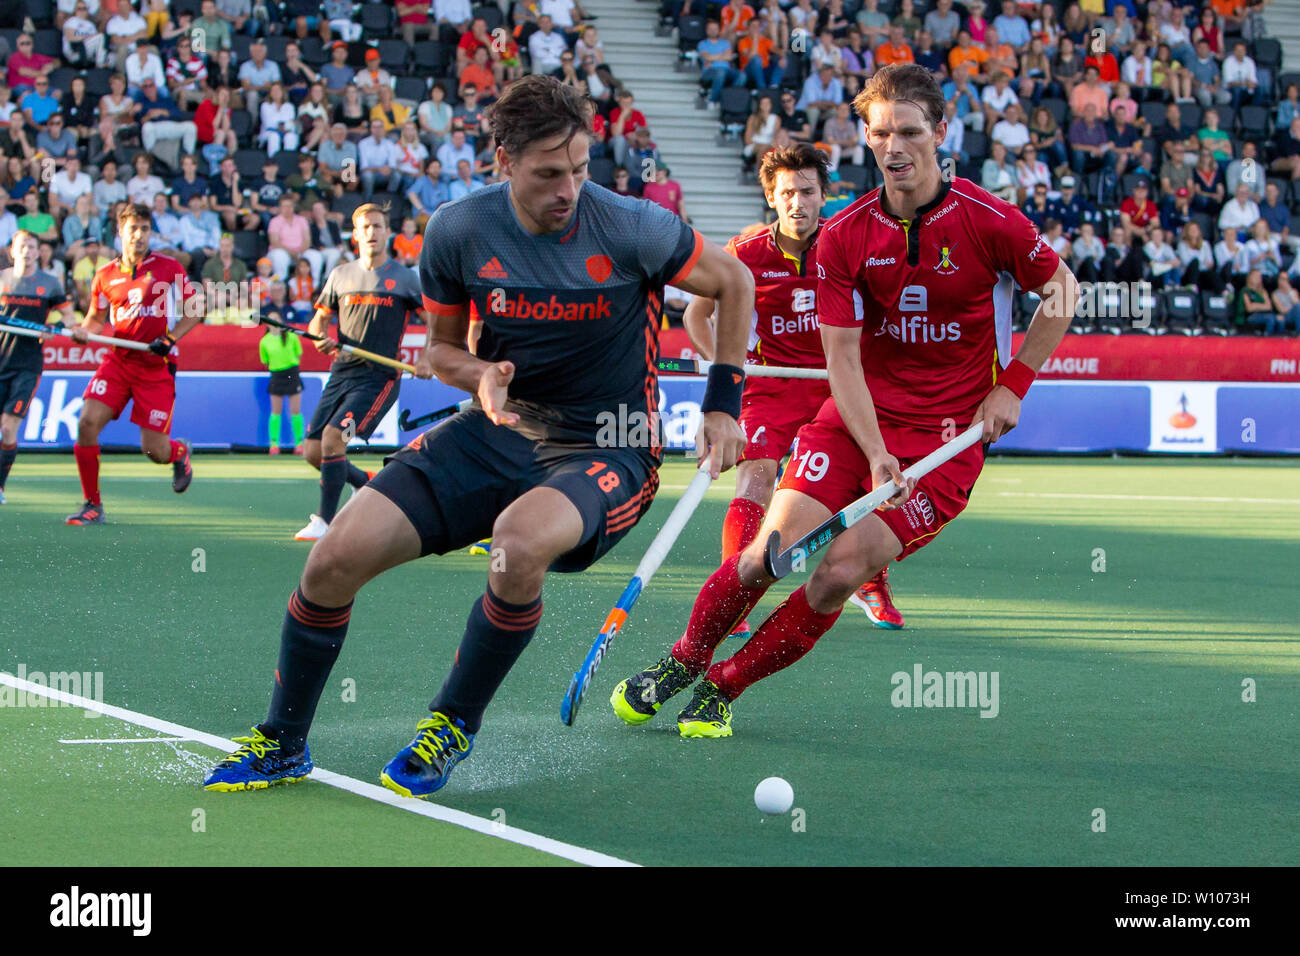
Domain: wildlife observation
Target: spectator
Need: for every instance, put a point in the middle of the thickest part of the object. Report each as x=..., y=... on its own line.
x=1239, y=213
x=336, y=74
x=1263, y=251
x=1124, y=260
x=953, y=140
x=413, y=19
x=1207, y=78
x=144, y=62
x=222, y=73
x=1177, y=141
x=1012, y=28
x=624, y=120
x=338, y=159
x=968, y=58
x=1138, y=211
x=1287, y=150
x=643, y=154
x=144, y=185
x=296, y=75
x=338, y=19
x=623, y=183
x=479, y=76
x=256, y=75
x=1230, y=258
x=1289, y=108
x=126, y=29
x=214, y=30
x=1240, y=79
x=895, y=51
x=855, y=58
x=943, y=23
x=1001, y=55
x=465, y=182
x=1011, y=130
x=1090, y=93
x=1126, y=142
x=1047, y=29
x=25, y=67
x=1136, y=70
x=1166, y=268
x=735, y=17
x=1176, y=210
x=666, y=192
x=1036, y=208
x=975, y=21
x=841, y=134
x=264, y=195
x=227, y=198
x=589, y=44
x=427, y=193
x=471, y=114
x=1207, y=30
x=1089, y=253
x=827, y=52
x=454, y=150
x=1197, y=259
x=352, y=112
x=302, y=289
x=760, y=129
x=759, y=60
x=83, y=44
x=1275, y=212
x=313, y=118
x=1032, y=171
x=108, y=191
x=279, y=126
x=998, y=176
x=390, y=112
x=1067, y=69
x=1119, y=29
x=1055, y=236
x=289, y=236
x=545, y=46
x=371, y=80
x=200, y=233
x=1207, y=184
x=996, y=98
x=407, y=245
x=1035, y=71
x=378, y=161
x=873, y=24
x=166, y=236
x=56, y=142
x=1245, y=170
x=907, y=21
x=307, y=183
x=327, y=246
x=80, y=225
x=821, y=92
x=1286, y=303
x=434, y=116
x=410, y=156
x=715, y=55
x=793, y=120
x=161, y=119
x=1089, y=144
x=39, y=105
x=1254, y=307
x=1045, y=136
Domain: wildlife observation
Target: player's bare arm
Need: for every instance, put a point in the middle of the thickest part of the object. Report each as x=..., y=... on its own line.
x=91, y=324
x=319, y=325
x=450, y=359
x=728, y=281
x=698, y=322
x=424, y=364
x=853, y=399
x=1059, y=296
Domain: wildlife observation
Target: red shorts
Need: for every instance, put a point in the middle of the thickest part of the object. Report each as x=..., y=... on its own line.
x=151, y=387
x=828, y=465
x=772, y=410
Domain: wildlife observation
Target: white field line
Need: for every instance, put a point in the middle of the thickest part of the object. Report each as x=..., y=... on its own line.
x=1207, y=499
x=369, y=791
x=127, y=740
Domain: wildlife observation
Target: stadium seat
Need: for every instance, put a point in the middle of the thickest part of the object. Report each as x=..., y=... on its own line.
x=1217, y=311
x=735, y=107
x=1267, y=52
x=48, y=43
x=193, y=7
x=41, y=12
x=1182, y=311
x=414, y=88
x=287, y=161
x=1153, y=113
x=1285, y=80
x=239, y=47
x=61, y=78
x=1227, y=120
x=1192, y=115
x=975, y=145
x=1110, y=309
x=1209, y=225
x=1058, y=108
x=376, y=21
x=1255, y=122
x=430, y=58
x=396, y=204
x=313, y=51
x=690, y=31
x=241, y=124
x=249, y=163
x=601, y=171
x=856, y=178
x=347, y=204
x=97, y=82
x=491, y=14
x=1294, y=224
x=250, y=245
x=1130, y=181
x=393, y=55
x=275, y=48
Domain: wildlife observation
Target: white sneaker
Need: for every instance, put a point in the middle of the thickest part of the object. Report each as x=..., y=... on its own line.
x=314, y=531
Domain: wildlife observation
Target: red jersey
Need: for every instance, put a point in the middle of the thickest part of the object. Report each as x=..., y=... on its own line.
x=143, y=305
x=929, y=361
x=784, y=329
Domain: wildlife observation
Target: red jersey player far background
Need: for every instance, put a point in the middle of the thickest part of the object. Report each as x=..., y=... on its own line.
x=783, y=331
x=914, y=295
x=147, y=298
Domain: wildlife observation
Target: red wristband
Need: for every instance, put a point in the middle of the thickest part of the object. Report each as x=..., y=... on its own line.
x=1017, y=377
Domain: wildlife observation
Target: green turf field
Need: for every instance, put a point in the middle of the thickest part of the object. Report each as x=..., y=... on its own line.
x=1120, y=690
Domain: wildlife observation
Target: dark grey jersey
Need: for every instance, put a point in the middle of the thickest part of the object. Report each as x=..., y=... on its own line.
x=31, y=300
x=373, y=306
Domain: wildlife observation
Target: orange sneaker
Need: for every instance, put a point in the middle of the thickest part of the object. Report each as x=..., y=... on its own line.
x=273, y=450
x=874, y=597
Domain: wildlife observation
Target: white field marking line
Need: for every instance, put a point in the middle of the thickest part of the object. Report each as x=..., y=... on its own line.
x=369, y=791
x=1201, y=498
x=127, y=740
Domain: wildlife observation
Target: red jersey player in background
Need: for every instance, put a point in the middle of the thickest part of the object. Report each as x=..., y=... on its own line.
x=147, y=298
x=914, y=297
x=784, y=331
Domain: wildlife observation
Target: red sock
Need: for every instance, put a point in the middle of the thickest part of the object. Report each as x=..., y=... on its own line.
x=787, y=635
x=723, y=603
x=178, y=451
x=87, y=457
x=744, y=518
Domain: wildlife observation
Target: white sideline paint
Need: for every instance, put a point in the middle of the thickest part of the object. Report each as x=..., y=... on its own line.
x=1218, y=500
x=369, y=791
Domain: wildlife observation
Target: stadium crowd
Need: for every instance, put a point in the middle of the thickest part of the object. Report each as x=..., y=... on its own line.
x=253, y=129
x=1149, y=142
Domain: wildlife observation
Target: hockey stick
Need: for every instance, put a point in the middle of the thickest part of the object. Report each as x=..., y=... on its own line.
x=617, y=617
x=405, y=422
x=351, y=349
x=701, y=367
x=780, y=563
x=20, y=327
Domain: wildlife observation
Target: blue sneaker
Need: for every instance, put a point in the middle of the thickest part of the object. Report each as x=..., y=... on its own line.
x=258, y=764
x=425, y=766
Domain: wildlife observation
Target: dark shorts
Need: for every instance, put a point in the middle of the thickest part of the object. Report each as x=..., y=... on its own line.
x=287, y=381
x=362, y=397
x=453, y=481
x=17, y=388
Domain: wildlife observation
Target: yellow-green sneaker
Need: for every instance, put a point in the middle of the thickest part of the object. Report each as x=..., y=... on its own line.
x=483, y=547
x=639, y=698
x=707, y=715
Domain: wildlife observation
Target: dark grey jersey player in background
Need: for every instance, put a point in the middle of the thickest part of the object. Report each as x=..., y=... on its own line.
x=28, y=294
x=567, y=278
x=372, y=297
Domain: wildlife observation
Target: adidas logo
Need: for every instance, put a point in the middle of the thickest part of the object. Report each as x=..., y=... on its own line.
x=492, y=270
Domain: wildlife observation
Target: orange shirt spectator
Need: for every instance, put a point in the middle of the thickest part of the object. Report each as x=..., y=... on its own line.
x=734, y=19
x=743, y=48
x=1106, y=67
x=1228, y=8
x=301, y=288
x=972, y=58
x=889, y=53
x=1083, y=94
x=1001, y=57
x=407, y=248
x=482, y=77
